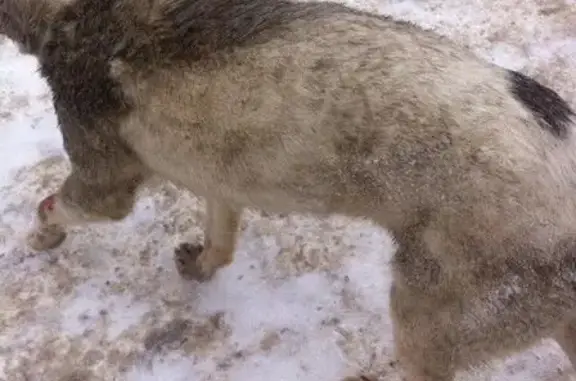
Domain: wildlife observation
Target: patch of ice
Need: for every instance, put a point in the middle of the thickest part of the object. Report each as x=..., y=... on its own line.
x=368, y=269
x=169, y=368
x=88, y=307
x=254, y=305
x=313, y=360
x=124, y=313
x=509, y=56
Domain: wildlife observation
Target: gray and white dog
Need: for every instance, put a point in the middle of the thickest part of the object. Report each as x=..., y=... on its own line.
x=322, y=109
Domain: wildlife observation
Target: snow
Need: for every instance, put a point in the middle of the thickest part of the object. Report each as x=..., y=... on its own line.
x=306, y=299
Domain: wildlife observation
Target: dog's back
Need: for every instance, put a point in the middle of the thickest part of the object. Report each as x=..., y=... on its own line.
x=398, y=121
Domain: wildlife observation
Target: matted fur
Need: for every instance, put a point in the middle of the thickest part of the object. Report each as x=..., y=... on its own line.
x=318, y=108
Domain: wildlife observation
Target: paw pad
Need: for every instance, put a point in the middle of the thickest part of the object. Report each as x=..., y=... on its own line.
x=187, y=261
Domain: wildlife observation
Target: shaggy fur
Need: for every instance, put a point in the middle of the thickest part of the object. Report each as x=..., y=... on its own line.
x=318, y=108
x=548, y=108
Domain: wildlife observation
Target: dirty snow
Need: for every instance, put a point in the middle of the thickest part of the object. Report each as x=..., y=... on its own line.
x=305, y=300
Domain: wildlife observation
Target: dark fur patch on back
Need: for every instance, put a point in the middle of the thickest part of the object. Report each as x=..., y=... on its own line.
x=192, y=30
x=549, y=109
x=87, y=34
x=75, y=61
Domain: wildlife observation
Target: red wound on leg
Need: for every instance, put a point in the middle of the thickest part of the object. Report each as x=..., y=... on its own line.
x=48, y=203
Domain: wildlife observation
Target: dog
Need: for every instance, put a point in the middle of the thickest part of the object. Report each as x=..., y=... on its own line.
x=318, y=108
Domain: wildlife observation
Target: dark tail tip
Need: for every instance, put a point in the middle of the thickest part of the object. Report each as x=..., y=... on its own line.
x=551, y=111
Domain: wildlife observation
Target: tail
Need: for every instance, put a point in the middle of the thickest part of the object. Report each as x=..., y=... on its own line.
x=27, y=22
x=550, y=111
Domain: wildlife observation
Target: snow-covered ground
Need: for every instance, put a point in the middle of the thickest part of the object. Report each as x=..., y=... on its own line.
x=305, y=300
